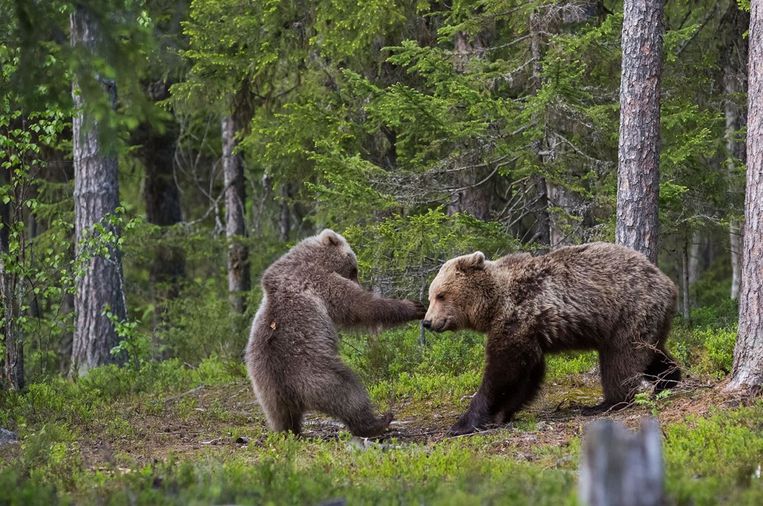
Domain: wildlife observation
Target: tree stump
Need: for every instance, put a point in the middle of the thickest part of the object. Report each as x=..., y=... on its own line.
x=622, y=468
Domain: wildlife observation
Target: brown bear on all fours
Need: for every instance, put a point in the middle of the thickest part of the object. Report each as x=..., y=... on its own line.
x=292, y=355
x=595, y=296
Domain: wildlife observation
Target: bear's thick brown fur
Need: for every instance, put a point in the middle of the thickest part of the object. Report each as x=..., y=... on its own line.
x=292, y=354
x=595, y=296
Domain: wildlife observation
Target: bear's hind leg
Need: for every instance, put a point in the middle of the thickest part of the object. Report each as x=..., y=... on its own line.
x=341, y=395
x=663, y=371
x=283, y=417
x=621, y=374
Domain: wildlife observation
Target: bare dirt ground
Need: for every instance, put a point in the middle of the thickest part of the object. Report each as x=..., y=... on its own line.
x=226, y=418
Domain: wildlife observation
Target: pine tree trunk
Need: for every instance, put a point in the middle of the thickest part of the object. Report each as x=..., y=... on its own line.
x=685, y=281
x=639, y=148
x=161, y=193
x=96, y=196
x=284, y=214
x=13, y=360
x=543, y=220
x=735, y=248
x=235, y=231
x=748, y=352
x=734, y=55
x=474, y=194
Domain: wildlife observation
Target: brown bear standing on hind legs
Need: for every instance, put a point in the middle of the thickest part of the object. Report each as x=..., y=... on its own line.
x=595, y=296
x=292, y=354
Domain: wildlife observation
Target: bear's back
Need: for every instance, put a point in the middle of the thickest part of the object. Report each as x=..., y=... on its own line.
x=579, y=294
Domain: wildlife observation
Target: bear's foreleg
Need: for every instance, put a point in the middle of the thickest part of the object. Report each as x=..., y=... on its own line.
x=352, y=306
x=513, y=373
x=526, y=392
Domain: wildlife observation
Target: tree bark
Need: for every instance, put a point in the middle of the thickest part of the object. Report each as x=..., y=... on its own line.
x=748, y=352
x=621, y=468
x=471, y=197
x=161, y=193
x=638, y=181
x=13, y=360
x=235, y=230
x=734, y=55
x=543, y=220
x=96, y=196
x=685, y=282
x=284, y=213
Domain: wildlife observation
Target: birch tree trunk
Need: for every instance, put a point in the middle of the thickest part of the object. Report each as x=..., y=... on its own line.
x=748, y=352
x=235, y=230
x=685, y=282
x=96, y=196
x=734, y=86
x=639, y=146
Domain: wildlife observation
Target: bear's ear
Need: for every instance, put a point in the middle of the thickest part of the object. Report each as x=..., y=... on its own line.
x=329, y=238
x=473, y=261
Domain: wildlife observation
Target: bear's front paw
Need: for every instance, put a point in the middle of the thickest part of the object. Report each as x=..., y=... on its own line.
x=463, y=426
x=460, y=429
x=418, y=310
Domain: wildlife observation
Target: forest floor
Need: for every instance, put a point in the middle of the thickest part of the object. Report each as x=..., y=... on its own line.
x=227, y=417
x=197, y=436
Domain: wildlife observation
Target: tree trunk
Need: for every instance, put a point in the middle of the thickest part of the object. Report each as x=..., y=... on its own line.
x=734, y=55
x=621, y=468
x=543, y=220
x=13, y=360
x=748, y=352
x=235, y=231
x=284, y=213
x=638, y=181
x=735, y=247
x=96, y=196
x=161, y=194
x=472, y=194
x=685, y=282
x=697, y=264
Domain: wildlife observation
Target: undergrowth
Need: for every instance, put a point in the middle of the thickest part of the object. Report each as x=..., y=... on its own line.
x=63, y=424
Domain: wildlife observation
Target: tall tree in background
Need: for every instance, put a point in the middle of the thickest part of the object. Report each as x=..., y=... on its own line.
x=160, y=191
x=239, y=281
x=748, y=352
x=734, y=54
x=96, y=196
x=12, y=374
x=639, y=146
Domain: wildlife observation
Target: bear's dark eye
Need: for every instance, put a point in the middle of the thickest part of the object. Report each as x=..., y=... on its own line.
x=440, y=296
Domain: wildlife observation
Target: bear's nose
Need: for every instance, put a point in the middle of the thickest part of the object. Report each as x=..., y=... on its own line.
x=427, y=324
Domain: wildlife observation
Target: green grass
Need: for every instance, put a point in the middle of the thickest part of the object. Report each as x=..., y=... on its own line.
x=166, y=434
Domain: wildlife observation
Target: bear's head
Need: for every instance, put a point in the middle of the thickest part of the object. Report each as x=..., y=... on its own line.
x=461, y=294
x=336, y=255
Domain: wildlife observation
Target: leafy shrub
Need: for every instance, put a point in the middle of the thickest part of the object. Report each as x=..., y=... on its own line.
x=52, y=454
x=722, y=314
x=202, y=325
x=716, y=459
x=716, y=355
